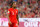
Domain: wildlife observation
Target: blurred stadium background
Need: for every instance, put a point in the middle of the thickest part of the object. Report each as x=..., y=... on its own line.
x=26, y=9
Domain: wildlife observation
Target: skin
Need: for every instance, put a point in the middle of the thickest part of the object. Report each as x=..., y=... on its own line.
x=14, y=5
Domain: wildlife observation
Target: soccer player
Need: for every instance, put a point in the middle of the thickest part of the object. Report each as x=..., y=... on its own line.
x=13, y=16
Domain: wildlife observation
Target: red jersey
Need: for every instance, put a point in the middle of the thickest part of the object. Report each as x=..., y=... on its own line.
x=13, y=15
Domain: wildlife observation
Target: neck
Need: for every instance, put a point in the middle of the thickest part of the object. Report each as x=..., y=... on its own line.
x=13, y=8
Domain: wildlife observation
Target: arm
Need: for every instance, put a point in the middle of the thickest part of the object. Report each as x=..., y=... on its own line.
x=18, y=19
x=8, y=17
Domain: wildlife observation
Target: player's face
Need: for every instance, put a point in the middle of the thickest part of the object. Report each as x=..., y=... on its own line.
x=14, y=5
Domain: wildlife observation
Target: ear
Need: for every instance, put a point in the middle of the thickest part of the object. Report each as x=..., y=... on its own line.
x=12, y=5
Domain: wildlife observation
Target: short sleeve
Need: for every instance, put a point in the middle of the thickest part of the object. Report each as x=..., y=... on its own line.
x=8, y=11
x=17, y=12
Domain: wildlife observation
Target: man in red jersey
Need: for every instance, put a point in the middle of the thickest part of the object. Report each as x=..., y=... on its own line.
x=13, y=16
